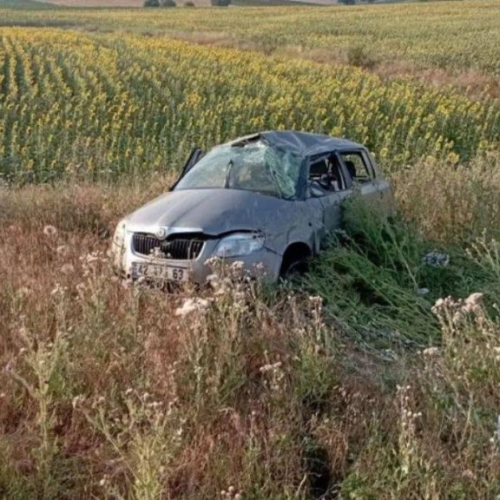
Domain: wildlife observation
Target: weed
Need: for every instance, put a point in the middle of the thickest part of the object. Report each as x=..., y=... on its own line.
x=358, y=55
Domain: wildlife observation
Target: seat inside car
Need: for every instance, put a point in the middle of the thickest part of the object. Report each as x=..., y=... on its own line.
x=351, y=168
x=317, y=169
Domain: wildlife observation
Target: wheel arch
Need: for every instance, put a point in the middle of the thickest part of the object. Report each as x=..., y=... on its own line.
x=295, y=251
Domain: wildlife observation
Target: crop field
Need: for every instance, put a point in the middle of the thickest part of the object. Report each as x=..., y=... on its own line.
x=454, y=36
x=375, y=376
x=102, y=105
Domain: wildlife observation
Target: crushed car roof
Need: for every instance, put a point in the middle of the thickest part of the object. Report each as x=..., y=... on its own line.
x=301, y=143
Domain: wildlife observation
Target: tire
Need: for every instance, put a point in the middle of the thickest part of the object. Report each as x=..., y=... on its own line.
x=294, y=268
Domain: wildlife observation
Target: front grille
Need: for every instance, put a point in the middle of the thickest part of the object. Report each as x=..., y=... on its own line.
x=177, y=248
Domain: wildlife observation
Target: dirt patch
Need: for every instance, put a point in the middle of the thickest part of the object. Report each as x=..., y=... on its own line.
x=473, y=83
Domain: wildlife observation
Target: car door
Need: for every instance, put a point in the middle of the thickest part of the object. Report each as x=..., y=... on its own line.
x=385, y=195
x=361, y=173
x=330, y=197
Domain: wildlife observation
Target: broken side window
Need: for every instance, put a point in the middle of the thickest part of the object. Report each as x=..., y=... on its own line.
x=357, y=167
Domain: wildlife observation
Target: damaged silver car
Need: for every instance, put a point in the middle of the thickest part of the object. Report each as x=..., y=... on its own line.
x=268, y=199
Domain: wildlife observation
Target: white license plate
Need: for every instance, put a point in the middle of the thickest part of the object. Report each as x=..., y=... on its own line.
x=158, y=272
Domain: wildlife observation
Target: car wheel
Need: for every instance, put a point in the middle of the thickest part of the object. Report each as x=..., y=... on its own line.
x=294, y=268
x=295, y=261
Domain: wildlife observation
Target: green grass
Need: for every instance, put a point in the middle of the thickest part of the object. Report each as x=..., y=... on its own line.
x=372, y=277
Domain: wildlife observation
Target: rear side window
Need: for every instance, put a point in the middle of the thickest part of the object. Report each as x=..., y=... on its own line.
x=357, y=167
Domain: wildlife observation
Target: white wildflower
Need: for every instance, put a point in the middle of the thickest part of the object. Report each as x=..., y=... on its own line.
x=213, y=280
x=316, y=300
x=91, y=257
x=67, y=269
x=191, y=306
x=474, y=299
x=468, y=474
x=212, y=261
x=49, y=231
x=62, y=250
x=431, y=352
x=439, y=303
x=77, y=400
x=237, y=266
x=270, y=367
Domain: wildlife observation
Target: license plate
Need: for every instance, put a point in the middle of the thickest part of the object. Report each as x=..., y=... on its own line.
x=158, y=272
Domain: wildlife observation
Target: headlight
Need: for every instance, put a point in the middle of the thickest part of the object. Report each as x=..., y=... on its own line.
x=119, y=236
x=238, y=244
x=118, y=245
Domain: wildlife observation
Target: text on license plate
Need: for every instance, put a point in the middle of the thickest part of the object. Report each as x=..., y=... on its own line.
x=159, y=272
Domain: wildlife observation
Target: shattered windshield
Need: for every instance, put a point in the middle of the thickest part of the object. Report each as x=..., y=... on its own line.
x=250, y=166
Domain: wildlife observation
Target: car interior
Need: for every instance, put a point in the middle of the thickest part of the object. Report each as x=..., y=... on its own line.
x=326, y=173
x=351, y=168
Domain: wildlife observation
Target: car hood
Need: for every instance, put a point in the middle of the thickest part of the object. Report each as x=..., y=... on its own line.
x=214, y=212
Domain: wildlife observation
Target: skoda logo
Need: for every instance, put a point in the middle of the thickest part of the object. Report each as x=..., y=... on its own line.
x=161, y=234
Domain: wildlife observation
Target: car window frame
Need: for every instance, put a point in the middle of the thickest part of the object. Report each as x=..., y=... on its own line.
x=346, y=178
x=366, y=161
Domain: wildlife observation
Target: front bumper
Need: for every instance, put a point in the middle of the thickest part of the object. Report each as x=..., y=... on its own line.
x=263, y=263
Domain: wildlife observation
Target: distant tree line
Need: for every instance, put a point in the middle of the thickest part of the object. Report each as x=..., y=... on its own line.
x=225, y=3
x=160, y=3
x=189, y=3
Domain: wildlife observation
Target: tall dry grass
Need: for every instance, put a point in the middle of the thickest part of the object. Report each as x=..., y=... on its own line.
x=116, y=391
x=451, y=203
x=112, y=390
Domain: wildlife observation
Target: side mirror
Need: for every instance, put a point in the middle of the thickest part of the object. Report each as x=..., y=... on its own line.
x=194, y=157
x=192, y=160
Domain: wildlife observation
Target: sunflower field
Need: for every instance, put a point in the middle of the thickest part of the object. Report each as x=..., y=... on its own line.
x=102, y=105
